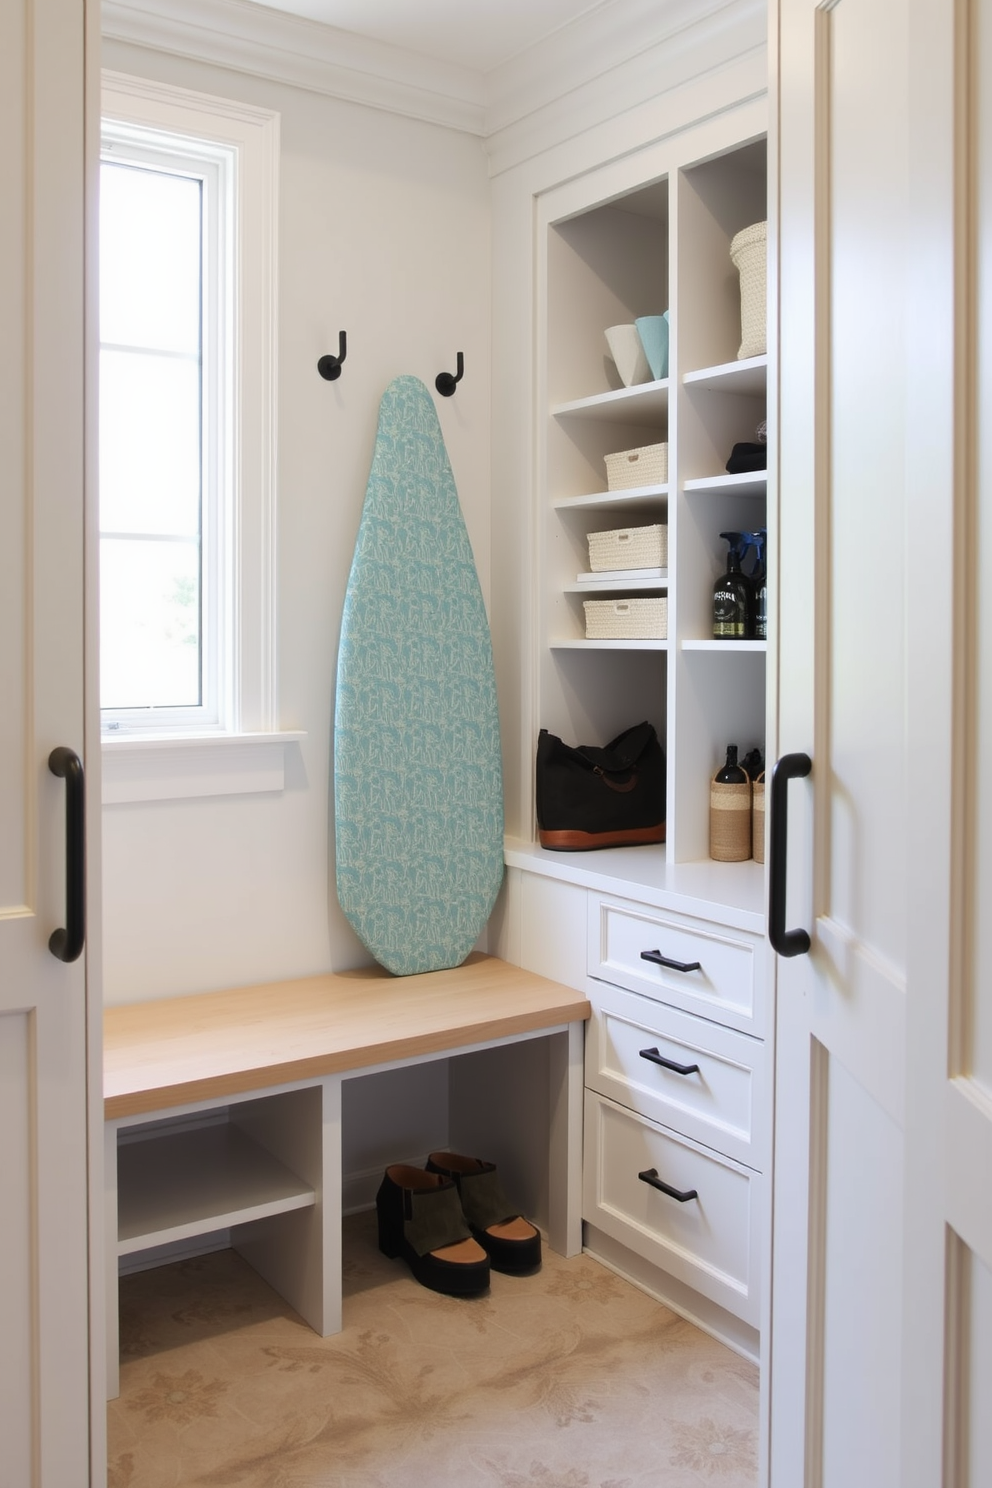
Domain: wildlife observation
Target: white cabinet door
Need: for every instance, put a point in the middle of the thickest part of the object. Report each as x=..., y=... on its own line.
x=44, y=1351
x=880, y=1367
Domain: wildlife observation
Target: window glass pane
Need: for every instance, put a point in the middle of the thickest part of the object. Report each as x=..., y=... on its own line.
x=149, y=444
x=149, y=623
x=149, y=258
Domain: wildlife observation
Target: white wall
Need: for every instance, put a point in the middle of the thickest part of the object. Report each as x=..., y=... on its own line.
x=384, y=232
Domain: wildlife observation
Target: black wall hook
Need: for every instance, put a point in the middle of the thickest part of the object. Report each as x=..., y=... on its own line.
x=329, y=367
x=445, y=381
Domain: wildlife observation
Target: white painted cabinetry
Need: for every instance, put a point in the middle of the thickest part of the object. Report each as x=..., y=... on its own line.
x=677, y=1117
x=681, y=1071
x=678, y=1058
x=673, y=958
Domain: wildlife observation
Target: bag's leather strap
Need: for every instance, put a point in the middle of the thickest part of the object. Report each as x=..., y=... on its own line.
x=616, y=785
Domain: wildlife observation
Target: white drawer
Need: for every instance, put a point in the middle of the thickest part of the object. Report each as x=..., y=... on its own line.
x=722, y=971
x=681, y=1071
x=711, y=1241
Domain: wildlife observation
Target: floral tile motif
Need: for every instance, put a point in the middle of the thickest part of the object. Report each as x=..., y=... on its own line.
x=180, y=1398
x=120, y=1473
x=586, y=1283
x=540, y=1475
x=211, y=1310
x=569, y=1378
x=716, y=1449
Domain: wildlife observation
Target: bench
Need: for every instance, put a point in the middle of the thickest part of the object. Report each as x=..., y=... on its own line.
x=223, y=1111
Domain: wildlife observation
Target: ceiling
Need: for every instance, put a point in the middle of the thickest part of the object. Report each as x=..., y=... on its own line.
x=475, y=34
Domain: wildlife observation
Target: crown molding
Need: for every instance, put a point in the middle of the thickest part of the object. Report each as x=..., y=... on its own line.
x=606, y=62
x=600, y=80
x=289, y=49
x=615, y=35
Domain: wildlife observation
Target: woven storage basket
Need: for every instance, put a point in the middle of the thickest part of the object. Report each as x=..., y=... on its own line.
x=749, y=251
x=758, y=819
x=730, y=821
x=647, y=466
x=628, y=547
x=626, y=619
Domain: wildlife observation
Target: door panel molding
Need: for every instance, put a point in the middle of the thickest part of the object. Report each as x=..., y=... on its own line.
x=968, y=1137
x=967, y=1448
x=18, y=1238
x=816, y=1277
x=966, y=435
x=956, y=1342
x=971, y=1026
x=823, y=413
x=863, y=1020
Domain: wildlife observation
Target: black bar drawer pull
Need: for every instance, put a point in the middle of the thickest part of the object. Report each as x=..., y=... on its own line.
x=669, y=1064
x=650, y=1175
x=67, y=944
x=785, y=942
x=660, y=960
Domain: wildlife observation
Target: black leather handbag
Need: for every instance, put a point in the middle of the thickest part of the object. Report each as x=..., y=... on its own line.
x=589, y=797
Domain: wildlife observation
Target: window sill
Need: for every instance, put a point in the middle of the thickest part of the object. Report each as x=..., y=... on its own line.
x=163, y=767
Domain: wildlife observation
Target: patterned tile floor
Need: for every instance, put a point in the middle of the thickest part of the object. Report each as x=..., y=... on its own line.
x=570, y=1378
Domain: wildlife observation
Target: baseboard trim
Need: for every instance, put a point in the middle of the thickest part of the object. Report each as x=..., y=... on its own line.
x=709, y=1316
x=358, y=1190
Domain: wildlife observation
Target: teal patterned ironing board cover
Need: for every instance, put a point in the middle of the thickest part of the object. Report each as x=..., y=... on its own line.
x=418, y=790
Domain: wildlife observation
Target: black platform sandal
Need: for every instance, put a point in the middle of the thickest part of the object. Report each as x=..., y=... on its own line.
x=512, y=1243
x=420, y=1218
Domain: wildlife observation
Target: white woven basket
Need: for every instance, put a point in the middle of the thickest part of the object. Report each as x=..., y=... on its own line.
x=647, y=466
x=749, y=251
x=626, y=619
x=628, y=547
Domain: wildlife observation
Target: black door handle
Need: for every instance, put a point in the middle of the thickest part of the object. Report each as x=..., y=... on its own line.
x=669, y=1064
x=67, y=944
x=650, y=1175
x=660, y=960
x=786, y=942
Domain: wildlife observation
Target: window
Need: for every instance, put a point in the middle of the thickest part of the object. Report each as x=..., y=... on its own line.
x=187, y=234
x=165, y=427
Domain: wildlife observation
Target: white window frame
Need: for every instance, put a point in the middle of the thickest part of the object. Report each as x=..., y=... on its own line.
x=239, y=145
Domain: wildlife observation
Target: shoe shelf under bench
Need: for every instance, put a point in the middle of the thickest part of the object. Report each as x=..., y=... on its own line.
x=224, y=1111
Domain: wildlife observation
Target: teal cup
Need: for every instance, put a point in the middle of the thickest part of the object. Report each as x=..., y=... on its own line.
x=653, y=331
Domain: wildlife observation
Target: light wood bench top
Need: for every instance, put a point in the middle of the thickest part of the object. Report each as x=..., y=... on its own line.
x=184, y=1049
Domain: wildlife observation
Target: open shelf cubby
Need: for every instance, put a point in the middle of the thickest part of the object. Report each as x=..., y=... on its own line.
x=177, y=1185
x=662, y=245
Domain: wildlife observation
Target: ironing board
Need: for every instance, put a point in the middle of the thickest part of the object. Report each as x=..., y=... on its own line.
x=418, y=792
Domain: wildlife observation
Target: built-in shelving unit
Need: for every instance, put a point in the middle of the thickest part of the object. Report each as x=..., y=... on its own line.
x=662, y=245
x=186, y=1183
x=618, y=586
x=644, y=404
x=725, y=646
x=748, y=377
x=751, y=484
x=614, y=645
x=646, y=496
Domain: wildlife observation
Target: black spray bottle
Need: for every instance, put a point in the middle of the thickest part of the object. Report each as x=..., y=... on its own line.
x=733, y=594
